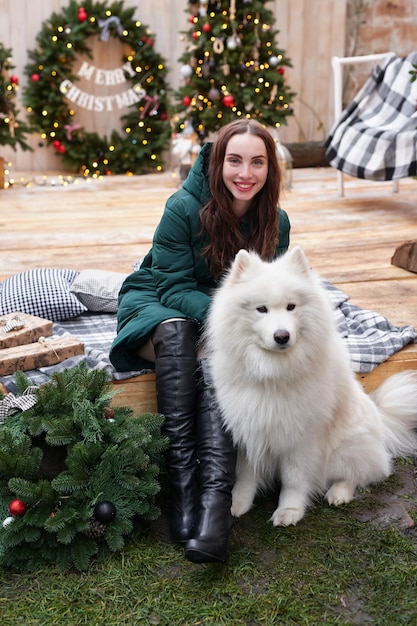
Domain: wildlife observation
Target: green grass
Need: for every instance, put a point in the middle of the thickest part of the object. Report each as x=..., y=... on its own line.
x=330, y=569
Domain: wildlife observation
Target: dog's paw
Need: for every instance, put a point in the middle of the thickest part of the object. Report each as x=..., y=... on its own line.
x=339, y=493
x=287, y=517
x=240, y=507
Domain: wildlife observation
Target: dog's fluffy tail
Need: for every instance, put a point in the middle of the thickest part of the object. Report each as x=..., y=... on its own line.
x=396, y=399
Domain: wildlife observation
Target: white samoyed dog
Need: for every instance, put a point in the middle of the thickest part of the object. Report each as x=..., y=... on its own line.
x=288, y=395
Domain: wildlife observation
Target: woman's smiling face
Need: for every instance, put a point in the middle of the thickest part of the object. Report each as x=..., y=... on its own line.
x=245, y=169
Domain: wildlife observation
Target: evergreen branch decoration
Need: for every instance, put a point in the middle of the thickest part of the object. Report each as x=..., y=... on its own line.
x=67, y=499
x=52, y=92
x=13, y=130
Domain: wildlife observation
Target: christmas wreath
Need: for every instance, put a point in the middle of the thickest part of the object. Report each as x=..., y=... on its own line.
x=77, y=476
x=52, y=90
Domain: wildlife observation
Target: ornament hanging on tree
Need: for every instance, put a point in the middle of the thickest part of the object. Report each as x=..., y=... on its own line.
x=214, y=94
x=203, y=8
x=17, y=507
x=82, y=15
x=186, y=71
x=229, y=101
x=8, y=521
x=104, y=512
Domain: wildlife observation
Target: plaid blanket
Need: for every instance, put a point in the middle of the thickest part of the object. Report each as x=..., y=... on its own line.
x=370, y=339
x=376, y=135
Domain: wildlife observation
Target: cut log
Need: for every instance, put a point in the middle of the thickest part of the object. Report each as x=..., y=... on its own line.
x=405, y=256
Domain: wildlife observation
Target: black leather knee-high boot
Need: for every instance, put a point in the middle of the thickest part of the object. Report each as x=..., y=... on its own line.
x=176, y=391
x=217, y=458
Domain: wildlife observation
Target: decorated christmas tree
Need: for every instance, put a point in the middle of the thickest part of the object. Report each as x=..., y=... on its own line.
x=232, y=67
x=77, y=476
x=12, y=130
x=135, y=83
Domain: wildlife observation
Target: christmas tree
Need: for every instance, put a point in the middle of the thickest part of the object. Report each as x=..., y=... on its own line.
x=76, y=475
x=232, y=67
x=12, y=130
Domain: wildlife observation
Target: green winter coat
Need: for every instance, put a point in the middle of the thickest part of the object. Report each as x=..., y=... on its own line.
x=173, y=280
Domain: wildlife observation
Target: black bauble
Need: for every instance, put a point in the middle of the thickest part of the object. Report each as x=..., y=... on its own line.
x=104, y=512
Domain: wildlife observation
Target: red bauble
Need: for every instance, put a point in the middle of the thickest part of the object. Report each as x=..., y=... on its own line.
x=280, y=70
x=82, y=15
x=14, y=79
x=229, y=101
x=62, y=149
x=34, y=78
x=186, y=101
x=56, y=144
x=206, y=27
x=196, y=34
x=17, y=508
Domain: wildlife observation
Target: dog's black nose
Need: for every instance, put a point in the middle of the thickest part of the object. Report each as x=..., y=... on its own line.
x=281, y=337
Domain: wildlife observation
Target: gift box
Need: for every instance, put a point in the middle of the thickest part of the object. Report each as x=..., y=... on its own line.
x=41, y=353
x=17, y=329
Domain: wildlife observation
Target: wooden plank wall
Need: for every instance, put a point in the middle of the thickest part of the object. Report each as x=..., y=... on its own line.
x=310, y=31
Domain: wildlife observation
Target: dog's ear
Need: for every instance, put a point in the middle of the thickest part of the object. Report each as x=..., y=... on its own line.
x=241, y=263
x=298, y=258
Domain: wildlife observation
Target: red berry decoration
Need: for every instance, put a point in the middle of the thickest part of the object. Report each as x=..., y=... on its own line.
x=82, y=15
x=229, y=101
x=17, y=508
x=62, y=149
x=281, y=70
x=186, y=101
x=14, y=79
x=56, y=144
x=196, y=34
x=34, y=78
x=206, y=27
x=104, y=512
x=148, y=40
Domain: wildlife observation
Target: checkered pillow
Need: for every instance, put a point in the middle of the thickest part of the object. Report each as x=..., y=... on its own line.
x=98, y=290
x=42, y=292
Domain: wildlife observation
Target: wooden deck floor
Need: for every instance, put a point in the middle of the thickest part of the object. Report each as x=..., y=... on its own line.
x=108, y=224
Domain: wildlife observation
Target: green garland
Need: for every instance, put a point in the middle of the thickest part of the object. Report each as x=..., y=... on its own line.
x=136, y=149
x=12, y=129
x=77, y=476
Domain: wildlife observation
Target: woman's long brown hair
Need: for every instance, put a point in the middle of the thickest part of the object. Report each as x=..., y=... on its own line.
x=218, y=221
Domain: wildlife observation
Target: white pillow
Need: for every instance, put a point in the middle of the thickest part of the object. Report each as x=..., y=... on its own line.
x=98, y=290
x=41, y=292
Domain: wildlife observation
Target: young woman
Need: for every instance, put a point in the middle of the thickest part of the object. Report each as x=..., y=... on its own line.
x=228, y=201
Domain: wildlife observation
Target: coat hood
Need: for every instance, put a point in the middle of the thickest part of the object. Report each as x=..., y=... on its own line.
x=197, y=181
